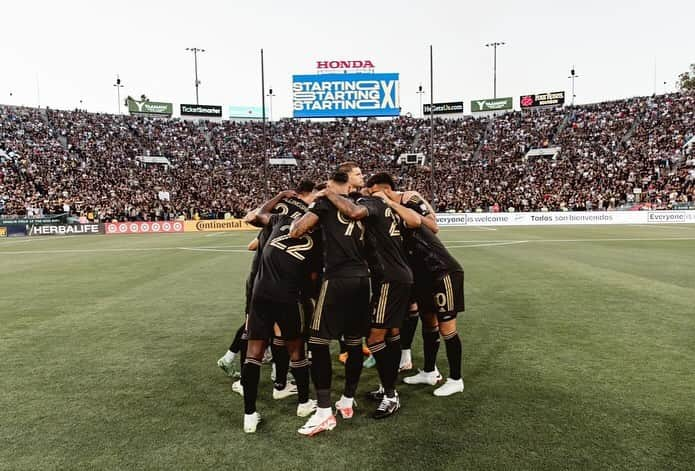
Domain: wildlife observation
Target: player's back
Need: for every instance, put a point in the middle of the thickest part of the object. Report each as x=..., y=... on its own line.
x=343, y=242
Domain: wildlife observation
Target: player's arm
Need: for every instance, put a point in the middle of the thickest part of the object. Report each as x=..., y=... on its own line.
x=410, y=218
x=427, y=214
x=346, y=207
x=253, y=245
x=261, y=217
x=304, y=224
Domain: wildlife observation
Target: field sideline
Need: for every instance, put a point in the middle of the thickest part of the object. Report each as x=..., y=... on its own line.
x=578, y=354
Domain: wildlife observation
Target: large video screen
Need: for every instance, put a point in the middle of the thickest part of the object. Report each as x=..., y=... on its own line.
x=345, y=95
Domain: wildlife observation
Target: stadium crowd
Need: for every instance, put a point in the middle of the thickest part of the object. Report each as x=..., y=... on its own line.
x=614, y=154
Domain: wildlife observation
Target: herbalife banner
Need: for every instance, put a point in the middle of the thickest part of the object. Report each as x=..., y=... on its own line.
x=150, y=108
x=207, y=111
x=492, y=104
x=563, y=218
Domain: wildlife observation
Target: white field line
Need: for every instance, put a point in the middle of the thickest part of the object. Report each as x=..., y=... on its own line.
x=242, y=249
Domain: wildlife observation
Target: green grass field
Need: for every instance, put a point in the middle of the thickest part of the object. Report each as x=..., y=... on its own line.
x=579, y=349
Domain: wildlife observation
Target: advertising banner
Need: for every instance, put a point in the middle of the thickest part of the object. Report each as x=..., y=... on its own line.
x=247, y=112
x=70, y=229
x=565, y=218
x=150, y=108
x=542, y=99
x=3, y=231
x=345, y=95
x=46, y=220
x=443, y=108
x=218, y=225
x=492, y=104
x=141, y=227
x=206, y=111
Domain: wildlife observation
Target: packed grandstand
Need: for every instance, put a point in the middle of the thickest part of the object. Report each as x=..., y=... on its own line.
x=625, y=154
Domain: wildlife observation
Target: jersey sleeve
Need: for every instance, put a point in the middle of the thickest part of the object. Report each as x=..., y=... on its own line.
x=372, y=204
x=319, y=207
x=417, y=204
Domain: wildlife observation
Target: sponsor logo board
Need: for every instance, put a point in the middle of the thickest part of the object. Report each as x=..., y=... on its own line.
x=443, y=108
x=218, y=225
x=3, y=232
x=563, y=218
x=63, y=229
x=209, y=111
x=150, y=107
x=492, y=104
x=143, y=227
x=542, y=99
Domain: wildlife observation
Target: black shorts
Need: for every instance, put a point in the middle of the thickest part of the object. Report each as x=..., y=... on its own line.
x=443, y=296
x=341, y=310
x=265, y=313
x=390, y=305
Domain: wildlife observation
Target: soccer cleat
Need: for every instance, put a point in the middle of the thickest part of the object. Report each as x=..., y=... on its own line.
x=369, y=362
x=376, y=395
x=451, y=386
x=423, y=377
x=238, y=388
x=317, y=424
x=289, y=390
x=387, y=407
x=346, y=410
x=251, y=421
x=305, y=409
x=343, y=357
x=229, y=368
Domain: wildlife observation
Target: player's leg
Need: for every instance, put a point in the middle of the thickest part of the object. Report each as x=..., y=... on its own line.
x=281, y=363
x=430, y=347
x=226, y=363
x=300, y=370
x=353, y=372
x=250, y=377
x=452, y=295
x=407, y=334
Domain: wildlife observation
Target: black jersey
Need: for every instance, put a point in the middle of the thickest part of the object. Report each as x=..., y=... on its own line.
x=285, y=263
x=427, y=255
x=343, y=242
x=383, y=227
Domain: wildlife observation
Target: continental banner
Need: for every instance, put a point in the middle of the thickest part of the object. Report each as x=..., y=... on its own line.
x=3, y=231
x=218, y=225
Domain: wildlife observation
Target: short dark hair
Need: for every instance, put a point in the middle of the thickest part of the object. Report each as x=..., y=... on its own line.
x=339, y=177
x=381, y=178
x=320, y=186
x=347, y=166
x=304, y=187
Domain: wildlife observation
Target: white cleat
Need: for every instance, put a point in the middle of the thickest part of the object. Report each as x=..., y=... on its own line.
x=423, y=377
x=451, y=386
x=289, y=390
x=317, y=424
x=228, y=367
x=251, y=422
x=305, y=409
x=238, y=388
x=406, y=361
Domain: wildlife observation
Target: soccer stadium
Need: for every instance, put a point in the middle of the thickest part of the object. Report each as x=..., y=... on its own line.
x=387, y=271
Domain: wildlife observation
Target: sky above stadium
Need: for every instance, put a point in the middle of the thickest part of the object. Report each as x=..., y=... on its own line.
x=67, y=54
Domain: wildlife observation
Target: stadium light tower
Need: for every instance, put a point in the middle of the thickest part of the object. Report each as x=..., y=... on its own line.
x=270, y=96
x=118, y=86
x=573, y=76
x=195, y=51
x=420, y=92
x=494, y=69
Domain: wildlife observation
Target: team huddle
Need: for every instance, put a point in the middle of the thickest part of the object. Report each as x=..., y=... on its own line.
x=346, y=261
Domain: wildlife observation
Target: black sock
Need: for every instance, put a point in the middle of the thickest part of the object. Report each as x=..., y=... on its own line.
x=282, y=362
x=454, y=352
x=353, y=366
x=236, y=343
x=343, y=347
x=382, y=355
x=250, y=375
x=243, y=343
x=393, y=346
x=321, y=374
x=408, y=330
x=300, y=371
x=430, y=347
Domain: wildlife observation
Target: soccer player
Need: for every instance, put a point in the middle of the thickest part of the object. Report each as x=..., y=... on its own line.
x=284, y=271
x=392, y=277
x=343, y=304
x=438, y=289
x=289, y=202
